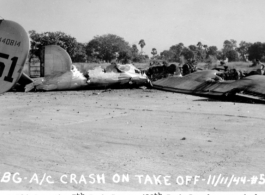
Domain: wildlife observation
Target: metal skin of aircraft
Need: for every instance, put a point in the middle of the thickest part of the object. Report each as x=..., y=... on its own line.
x=61, y=74
x=14, y=49
x=117, y=76
x=208, y=83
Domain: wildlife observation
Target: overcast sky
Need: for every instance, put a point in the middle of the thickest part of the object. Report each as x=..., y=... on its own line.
x=161, y=23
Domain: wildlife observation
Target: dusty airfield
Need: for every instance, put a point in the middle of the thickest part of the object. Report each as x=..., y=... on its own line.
x=133, y=132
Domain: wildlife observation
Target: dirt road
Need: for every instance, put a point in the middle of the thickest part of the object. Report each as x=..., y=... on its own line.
x=86, y=140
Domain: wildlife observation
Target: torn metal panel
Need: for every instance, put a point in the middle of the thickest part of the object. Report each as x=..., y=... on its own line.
x=69, y=80
x=117, y=75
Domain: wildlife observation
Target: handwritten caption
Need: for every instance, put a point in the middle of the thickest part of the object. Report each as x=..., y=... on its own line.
x=166, y=180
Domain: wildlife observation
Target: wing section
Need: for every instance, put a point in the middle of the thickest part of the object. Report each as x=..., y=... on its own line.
x=204, y=83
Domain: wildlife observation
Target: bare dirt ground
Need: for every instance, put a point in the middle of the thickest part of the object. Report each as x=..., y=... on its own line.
x=134, y=132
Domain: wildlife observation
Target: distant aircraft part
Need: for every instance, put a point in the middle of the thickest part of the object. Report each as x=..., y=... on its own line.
x=14, y=49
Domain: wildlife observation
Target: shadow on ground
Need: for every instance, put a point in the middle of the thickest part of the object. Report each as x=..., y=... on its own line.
x=232, y=99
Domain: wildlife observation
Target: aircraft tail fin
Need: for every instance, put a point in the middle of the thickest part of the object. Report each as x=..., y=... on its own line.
x=14, y=49
x=56, y=60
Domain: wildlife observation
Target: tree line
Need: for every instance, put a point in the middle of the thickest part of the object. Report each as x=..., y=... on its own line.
x=106, y=48
x=201, y=53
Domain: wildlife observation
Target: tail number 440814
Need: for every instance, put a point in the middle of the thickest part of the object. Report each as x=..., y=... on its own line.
x=8, y=78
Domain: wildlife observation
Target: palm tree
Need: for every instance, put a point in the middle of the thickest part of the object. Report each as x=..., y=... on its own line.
x=205, y=48
x=134, y=49
x=154, y=52
x=142, y=44
x=199, y=44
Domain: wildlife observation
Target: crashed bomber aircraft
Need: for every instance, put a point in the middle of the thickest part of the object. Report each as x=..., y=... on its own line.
x=60, y=75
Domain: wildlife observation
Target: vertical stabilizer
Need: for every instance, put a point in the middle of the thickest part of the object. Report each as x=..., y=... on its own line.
x=14, y=48
x=56, y=60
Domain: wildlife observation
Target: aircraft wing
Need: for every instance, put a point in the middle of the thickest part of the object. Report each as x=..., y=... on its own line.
x=203, y=83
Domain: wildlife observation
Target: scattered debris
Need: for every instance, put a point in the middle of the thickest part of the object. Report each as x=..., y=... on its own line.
x=143, y=87
x=106, y=90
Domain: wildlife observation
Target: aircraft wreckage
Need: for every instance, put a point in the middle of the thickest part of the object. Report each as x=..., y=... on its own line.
x=61, y=74
x=58, y=73
x=208, y=83
x=57, y=70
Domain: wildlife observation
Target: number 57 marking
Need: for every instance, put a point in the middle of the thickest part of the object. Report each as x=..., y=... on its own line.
x=8, y=78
